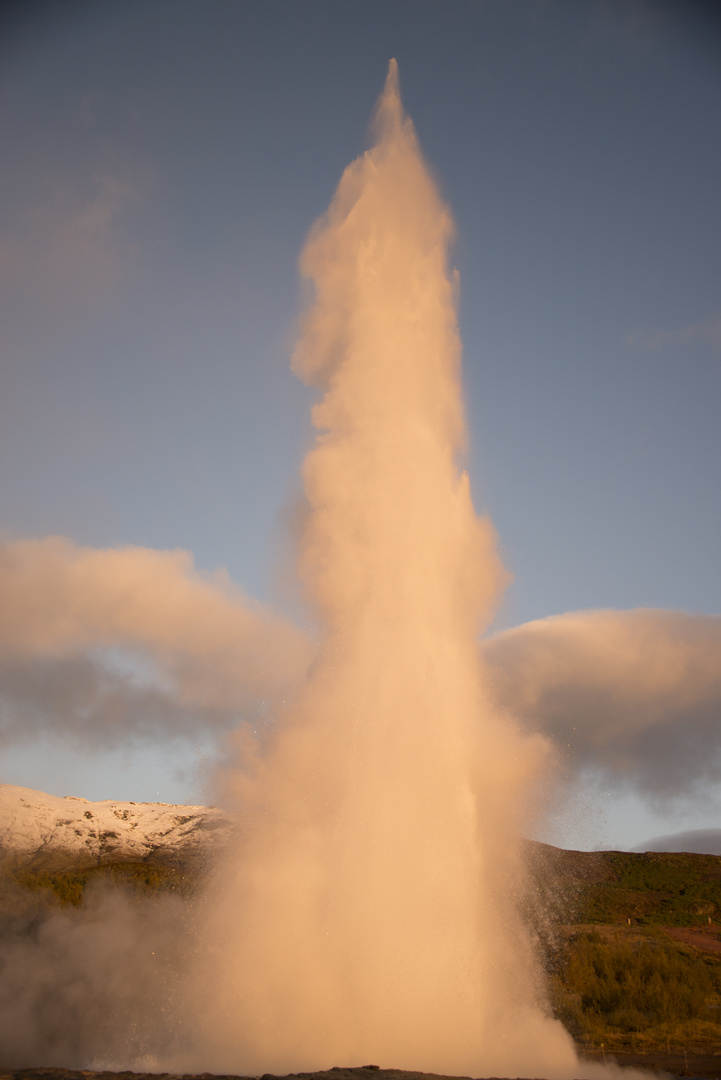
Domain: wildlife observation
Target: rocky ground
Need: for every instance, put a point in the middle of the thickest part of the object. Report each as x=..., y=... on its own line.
x=675, y=1065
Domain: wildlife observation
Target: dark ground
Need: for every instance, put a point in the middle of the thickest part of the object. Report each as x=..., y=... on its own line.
x=676, y=1065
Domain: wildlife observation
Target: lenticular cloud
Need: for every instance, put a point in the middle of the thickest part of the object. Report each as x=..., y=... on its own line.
x=633, y=696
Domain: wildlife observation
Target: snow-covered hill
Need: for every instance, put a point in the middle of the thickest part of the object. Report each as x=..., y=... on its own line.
x=45, y=832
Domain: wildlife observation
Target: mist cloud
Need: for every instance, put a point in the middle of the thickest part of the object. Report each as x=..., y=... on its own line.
x=633, y=695
x=95, y=986
x=114, y=644
x=68, y=256
x=705, y=331
x=701, y=841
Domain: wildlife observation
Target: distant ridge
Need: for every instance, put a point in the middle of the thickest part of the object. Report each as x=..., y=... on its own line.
x=45, y=832
x=40, y=832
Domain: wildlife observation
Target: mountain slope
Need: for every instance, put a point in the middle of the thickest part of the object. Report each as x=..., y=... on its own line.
x=628, y=888
x=45, y=832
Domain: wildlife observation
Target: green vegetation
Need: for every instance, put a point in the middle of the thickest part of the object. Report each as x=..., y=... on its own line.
x=617, y=977
x=636, y=990
x=69, y=886
x=618, y=887
x=653, y=889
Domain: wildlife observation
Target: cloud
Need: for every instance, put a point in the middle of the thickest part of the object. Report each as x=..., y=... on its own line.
x=114, y=644
x=706, y=332
x=65, y=254
x=702, y=841
x=84, y=238
x=634, y=696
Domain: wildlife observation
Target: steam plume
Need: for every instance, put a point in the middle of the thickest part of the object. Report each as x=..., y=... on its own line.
x=371, y=913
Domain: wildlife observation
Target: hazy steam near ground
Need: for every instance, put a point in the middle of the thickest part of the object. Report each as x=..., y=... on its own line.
x=90, y=987
x=371, y=909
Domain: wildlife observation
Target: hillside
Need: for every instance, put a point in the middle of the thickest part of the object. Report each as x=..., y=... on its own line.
x=631, y=941
x=623, y=887
x=632, y=946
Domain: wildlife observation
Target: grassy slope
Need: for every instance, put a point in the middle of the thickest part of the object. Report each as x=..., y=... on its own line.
x=616, y=976
x=68, y=886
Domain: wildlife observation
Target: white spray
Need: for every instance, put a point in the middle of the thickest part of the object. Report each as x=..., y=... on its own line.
x=371, y=912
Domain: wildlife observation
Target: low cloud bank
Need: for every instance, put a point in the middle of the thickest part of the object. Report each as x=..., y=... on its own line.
x=701, y=841
x=112, y=645
x=634, y=696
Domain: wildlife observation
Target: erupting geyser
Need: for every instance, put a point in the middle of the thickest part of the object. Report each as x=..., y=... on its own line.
x=372, y=909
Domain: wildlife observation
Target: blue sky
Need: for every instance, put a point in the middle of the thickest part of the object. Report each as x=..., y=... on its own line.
x=162, y=163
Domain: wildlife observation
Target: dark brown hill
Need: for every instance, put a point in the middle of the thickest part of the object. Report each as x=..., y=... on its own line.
x=623, y=887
